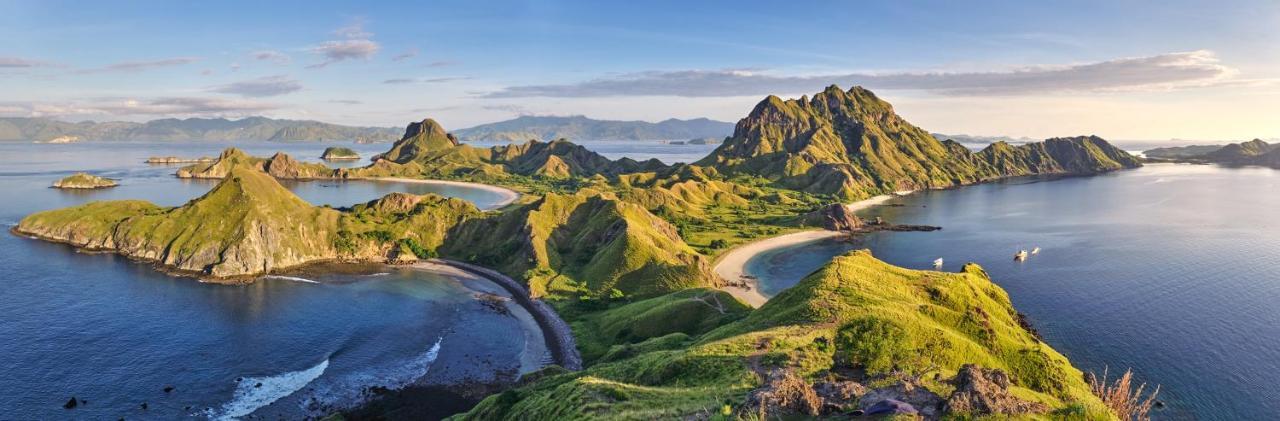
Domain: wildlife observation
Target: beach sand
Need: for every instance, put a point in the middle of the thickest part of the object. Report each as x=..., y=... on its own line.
x=732, y=264
x=508, y=195
x=535, y=354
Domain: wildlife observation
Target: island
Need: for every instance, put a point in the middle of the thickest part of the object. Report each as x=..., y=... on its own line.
x=84, y=181
x=705, y=141
x=1255, y=152
x=623, y=251
x=62, y=139
x=335, y=153
x=165, y=160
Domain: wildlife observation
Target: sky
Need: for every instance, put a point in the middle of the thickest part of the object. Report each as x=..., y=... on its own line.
x=1119, y=69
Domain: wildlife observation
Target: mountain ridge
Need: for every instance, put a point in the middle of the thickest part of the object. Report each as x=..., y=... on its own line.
x=39, y=129
x=579, y=127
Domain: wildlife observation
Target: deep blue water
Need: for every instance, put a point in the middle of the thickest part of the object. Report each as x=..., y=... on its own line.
x=1169, y=269
x=115, y=332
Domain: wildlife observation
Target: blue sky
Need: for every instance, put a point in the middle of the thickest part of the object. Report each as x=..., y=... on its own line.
x=1120, y=69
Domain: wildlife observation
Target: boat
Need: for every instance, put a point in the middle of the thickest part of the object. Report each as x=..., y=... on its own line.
x=937, y=264
x=1020, y=255
x=1035, y=250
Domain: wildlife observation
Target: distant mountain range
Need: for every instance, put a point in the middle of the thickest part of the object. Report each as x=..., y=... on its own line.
x=579, y=128
x=1253, y=152
x=982, y=141
x=208, y=129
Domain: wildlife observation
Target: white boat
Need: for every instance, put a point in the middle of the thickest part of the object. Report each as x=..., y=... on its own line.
x=1020, y=255
x=937, y=264
x=1035, y=250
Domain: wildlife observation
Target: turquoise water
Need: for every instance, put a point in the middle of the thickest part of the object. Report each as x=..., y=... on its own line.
x=115, y=332
x=1169, y=269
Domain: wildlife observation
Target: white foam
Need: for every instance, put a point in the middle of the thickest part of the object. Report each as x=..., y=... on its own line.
x=291, y=278
x=250, y=397
x=349, y=389
x=379, y=274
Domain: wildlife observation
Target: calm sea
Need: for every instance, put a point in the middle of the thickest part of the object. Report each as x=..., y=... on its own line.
x=1171, y=270
x=115, y=333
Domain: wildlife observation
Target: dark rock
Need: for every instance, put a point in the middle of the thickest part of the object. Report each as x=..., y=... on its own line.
x=839, y=396
x=168, y=389
x=981, y=391
x=925, y=402
x=835, y=217
x=257, y=385
x=144, y=406
x=71, y=403
x=890, y=407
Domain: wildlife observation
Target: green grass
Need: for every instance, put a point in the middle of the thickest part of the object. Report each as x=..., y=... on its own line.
x=856, y=312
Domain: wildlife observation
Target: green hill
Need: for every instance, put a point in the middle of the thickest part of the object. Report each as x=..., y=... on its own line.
x=853, y=145
x=247, y=224
x=589, y=243
x=426, y=150
x=854, y=332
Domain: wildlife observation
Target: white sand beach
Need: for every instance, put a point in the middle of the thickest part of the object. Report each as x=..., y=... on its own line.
x=732, y=264
x=508, y=195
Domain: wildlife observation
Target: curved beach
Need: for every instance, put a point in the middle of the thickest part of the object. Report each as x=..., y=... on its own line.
x=731, y=266
x=555, y=331
x=508, y=195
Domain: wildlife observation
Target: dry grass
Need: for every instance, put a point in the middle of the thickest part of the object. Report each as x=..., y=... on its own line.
x=1123, y=399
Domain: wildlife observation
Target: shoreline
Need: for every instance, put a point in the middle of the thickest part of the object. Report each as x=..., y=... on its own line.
x=508, y=195
x=555, y=331
x=732, y=265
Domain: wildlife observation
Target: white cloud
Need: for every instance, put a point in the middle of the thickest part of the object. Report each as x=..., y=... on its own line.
x=402, y=81
x=1164, y=71
x=135, y=66
x=18, y=62
x=261, y=87
x=356, y=46
x=139, y=107
x=272, y=56
x=407, y=54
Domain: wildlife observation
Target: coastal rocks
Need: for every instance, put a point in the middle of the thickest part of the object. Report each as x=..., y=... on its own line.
x=84, y=181
x=335, y=153
x=71, y=404
x=982, y=391
x=835, y=217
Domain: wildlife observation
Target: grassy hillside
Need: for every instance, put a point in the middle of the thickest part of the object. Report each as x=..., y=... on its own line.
x=247, y=224
x=858, y=325
x=589, y=243
x=428, y=151
x=852, y=144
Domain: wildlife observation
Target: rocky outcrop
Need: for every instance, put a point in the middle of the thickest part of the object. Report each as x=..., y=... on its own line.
x=84, y=181
x=980, y=391
x=1254, y=152
x=834, y=217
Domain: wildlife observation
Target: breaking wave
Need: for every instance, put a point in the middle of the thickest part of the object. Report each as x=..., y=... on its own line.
x=291, y=278
x=254, y=393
